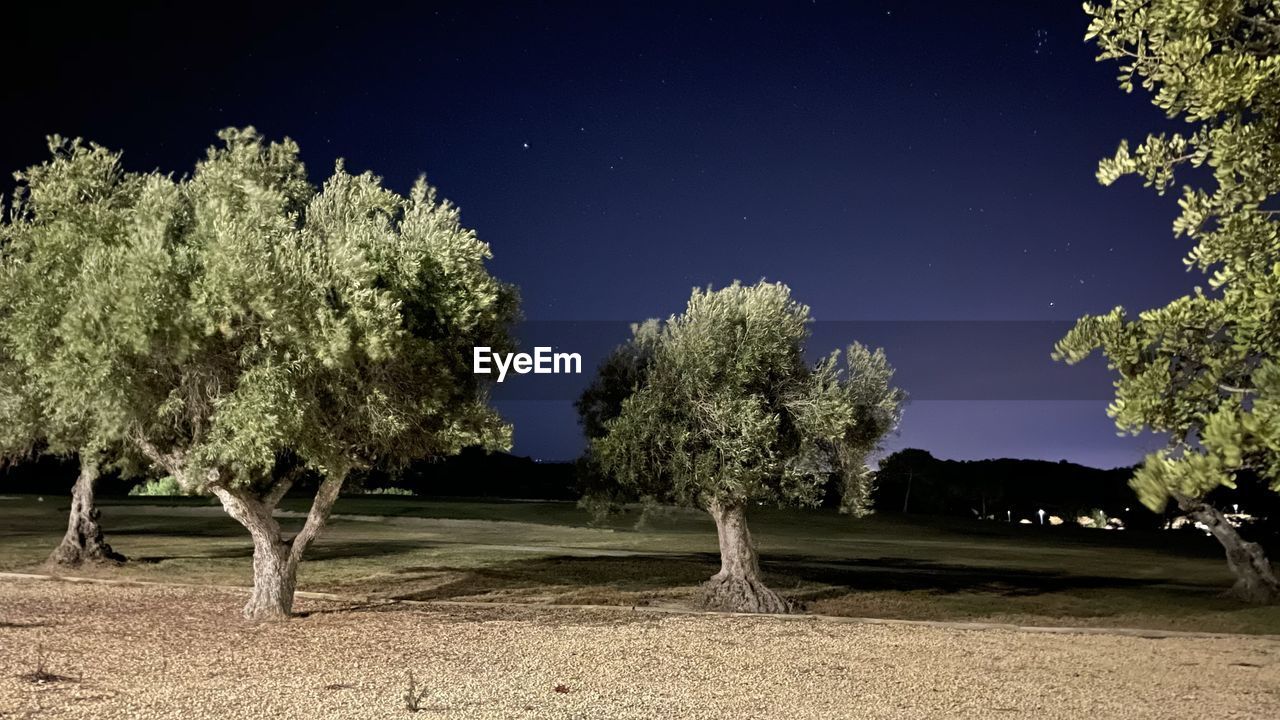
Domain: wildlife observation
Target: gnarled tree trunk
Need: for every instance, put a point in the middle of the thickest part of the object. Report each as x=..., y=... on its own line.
x=276, y=560
x=738, y=587
x=1256, y=580
x=83, y=541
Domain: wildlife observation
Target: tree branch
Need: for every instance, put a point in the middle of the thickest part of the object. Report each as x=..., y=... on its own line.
x=281, y=487
x=249, y=512
x=321, y=506
x=171, y=462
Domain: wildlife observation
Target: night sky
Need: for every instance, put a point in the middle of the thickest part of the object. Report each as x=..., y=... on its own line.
x=891, y=162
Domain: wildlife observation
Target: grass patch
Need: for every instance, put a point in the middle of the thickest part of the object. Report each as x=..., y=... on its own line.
x=391, y=547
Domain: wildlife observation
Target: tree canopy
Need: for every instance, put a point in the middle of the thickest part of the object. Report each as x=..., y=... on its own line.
x=1205, y=369
x=730, y=409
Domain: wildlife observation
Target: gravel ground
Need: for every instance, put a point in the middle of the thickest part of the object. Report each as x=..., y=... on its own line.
x=163, y=652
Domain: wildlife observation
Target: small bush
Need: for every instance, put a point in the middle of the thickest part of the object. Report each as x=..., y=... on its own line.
x=600, y=507
x=166, y=486
x=653, y=513
x=414, y=695
x=387, y=491
x=40, y=674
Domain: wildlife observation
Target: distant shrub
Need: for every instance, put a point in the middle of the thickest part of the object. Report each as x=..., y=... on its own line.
x=165, y=486
x=653, y=513
x=1099, y=518
x=600, y=507
x=387, y=491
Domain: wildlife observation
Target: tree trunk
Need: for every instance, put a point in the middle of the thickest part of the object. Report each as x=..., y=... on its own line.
x=276, y=560
x=275, y=577
x=1255, y=578
x=83, y=541
x=738, y=587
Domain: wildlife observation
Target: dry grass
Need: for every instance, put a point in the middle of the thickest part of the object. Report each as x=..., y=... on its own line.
x=158, y=652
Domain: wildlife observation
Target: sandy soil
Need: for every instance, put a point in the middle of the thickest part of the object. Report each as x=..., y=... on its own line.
x=159, y=652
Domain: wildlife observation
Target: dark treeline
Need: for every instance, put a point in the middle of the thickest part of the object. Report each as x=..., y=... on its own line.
x=473, y=473
x=914, y=481
x=476, y=473
x=54, y=475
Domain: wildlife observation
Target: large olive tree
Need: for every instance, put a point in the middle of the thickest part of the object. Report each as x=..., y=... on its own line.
x=1205, y=369
x=729, y=414
x=68, y=211
x=248, y=329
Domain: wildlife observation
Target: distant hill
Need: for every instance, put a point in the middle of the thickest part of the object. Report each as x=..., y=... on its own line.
x=914, y=481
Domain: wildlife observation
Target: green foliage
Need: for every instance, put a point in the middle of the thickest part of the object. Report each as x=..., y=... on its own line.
x=166, y=486
x=730, y=410
x=625, y=369
x=387, y=491
x=20, y=419
x=621, y=373
x=64, y=219
x=229, y=319
x=1205, y=368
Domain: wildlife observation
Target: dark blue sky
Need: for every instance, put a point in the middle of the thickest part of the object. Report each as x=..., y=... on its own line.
x=891, y=161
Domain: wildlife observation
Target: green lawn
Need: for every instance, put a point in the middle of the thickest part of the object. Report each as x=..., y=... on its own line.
x=890, y=566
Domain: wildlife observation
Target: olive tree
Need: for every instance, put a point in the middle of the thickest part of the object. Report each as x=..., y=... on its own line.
x=618, y=376
x=1205, y=369
x=67, y=211
x=248, y=329
x=729, y=414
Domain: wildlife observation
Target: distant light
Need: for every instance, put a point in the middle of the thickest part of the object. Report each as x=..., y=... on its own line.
x=1041, y=512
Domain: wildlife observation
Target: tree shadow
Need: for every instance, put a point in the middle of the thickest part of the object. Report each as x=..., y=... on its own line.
x=160, y=529
x=343, y=550
x=906, y=574
x=659, y=573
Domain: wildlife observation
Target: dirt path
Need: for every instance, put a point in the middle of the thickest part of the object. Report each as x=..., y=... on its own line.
x=161, y=652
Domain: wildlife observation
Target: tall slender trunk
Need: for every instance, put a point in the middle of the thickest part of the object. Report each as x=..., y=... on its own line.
x=1256, y=580
x=276, y=560
x=738, y=587
x=83, y=541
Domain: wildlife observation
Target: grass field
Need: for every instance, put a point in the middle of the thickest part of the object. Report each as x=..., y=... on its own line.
x=893, y=567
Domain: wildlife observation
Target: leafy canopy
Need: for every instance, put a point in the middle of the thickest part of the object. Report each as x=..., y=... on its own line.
x=1205, y=368
x=625, y=369
x=66, y=215
x=240, y=314
x=729, y=410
